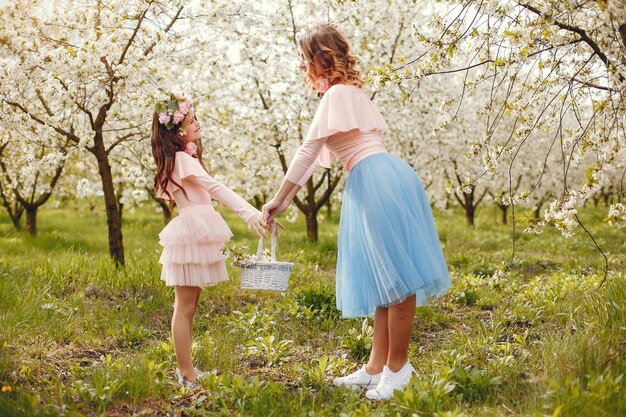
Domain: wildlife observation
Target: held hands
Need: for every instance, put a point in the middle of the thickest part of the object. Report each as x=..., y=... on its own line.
x=258, y=226
x=273, y=208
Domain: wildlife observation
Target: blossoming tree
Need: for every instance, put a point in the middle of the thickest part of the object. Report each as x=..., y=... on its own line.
x=29, y=172
x=266, y=108
x=556, y=69
x=84, y=71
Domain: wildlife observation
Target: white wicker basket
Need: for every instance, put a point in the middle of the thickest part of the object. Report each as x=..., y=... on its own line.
x=257, y=274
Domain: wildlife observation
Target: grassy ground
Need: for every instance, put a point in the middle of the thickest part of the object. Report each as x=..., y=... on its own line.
x=80, y=337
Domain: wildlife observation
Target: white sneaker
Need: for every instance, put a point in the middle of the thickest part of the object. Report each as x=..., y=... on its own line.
x=358, y=379
x=390, y=382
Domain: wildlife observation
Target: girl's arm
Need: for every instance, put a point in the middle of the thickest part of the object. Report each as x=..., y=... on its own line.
x=233, y=201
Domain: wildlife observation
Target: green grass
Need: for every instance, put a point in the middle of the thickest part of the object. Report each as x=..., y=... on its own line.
x=81, y=337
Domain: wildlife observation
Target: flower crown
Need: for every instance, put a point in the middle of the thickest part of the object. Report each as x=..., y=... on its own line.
x=172, y=112
x=319, y=22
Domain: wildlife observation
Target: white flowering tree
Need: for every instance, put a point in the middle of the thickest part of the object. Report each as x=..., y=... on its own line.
x=29, y=172
x=13, y=207
x=261, y=111
x=266, y=109
x=556, y=69
x=84, y=70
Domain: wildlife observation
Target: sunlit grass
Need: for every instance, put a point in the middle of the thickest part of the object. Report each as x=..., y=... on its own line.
x=79, y=335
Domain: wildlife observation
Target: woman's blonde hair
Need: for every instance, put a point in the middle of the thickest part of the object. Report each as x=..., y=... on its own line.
x=323, y=46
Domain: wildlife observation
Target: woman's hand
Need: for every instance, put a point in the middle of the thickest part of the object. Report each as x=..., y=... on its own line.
x=273, y=208
x=257, y=225
x=279, y=226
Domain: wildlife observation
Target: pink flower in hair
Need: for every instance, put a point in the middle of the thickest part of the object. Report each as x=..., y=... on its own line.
x=184, y=106
x=191, y=148
x=164, y=118
x=318, y=22
x=178, y=117
x=322, y=84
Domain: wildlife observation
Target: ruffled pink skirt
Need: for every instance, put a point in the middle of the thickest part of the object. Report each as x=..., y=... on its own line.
x=192, y=244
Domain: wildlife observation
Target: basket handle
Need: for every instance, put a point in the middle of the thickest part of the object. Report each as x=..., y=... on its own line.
x=259, y=251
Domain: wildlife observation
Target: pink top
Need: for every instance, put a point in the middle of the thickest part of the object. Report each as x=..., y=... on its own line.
x=201, y=188
x=346, y=126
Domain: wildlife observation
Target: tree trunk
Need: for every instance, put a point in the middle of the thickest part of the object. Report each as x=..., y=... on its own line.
x=15, y=218
x=14, y=208
x=31, y=220
x=258, y=201
x=120, y=210
x=15, y=213
x=503, y=209
x=116, y=244
x=469, y=214
x=311, y=226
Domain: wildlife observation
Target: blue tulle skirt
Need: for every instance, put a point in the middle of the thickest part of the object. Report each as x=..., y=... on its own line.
x=388, y=244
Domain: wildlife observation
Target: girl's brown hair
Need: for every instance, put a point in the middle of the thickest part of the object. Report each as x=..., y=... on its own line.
x=165, y=144
x=325, y=48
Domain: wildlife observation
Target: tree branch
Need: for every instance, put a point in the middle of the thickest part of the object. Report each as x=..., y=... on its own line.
x=293, y=23
x=134, y=34
x=167, y=29
x=580, y=32
x=324, y=198
x=59, y=130
x=118, y=141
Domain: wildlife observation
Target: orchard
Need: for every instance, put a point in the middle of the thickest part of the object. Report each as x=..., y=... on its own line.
x=512, y=113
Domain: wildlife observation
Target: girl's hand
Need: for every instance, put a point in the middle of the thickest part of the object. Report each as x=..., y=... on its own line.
x=273, y=208
x=257, y=225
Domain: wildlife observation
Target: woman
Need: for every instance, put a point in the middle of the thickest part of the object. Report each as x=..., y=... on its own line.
x=389, y=257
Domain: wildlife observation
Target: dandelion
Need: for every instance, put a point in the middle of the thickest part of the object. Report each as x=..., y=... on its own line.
x=6, y=388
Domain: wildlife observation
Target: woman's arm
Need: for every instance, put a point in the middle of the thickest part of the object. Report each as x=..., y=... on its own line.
x=281, y=200
x=299, y=172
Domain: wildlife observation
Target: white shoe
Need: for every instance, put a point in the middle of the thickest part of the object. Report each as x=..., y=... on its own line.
x=390, y=382
x=357, y=379
x=185, y=382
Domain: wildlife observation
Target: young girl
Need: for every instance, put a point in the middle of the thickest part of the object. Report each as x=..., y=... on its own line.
x=389, y=257
x=192, y=241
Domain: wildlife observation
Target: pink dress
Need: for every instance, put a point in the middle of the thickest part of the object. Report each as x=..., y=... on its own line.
x=193, y=240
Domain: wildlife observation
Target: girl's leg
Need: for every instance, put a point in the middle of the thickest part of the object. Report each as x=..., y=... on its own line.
x=380, y=342
x=184, y=306
x=400, y=322
x=195, y=308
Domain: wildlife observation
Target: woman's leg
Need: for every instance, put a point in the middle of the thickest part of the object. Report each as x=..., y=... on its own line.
x=184, y=306
x=380, y=342
x=400, y=322
x=369, y=376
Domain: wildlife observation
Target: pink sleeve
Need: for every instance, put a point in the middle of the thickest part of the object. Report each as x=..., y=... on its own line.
x=304, y=163
x=184, y=166
x=226, y=196
x=344, y=110
x=188, y=168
